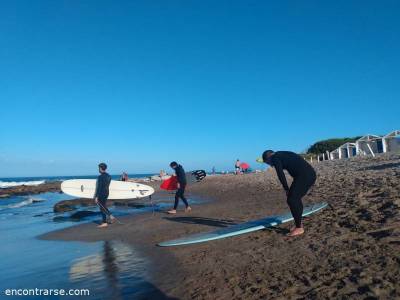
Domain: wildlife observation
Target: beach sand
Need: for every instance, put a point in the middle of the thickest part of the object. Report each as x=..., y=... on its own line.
x=349, y=250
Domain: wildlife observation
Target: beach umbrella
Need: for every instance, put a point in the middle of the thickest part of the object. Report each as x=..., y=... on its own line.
x=244, y=166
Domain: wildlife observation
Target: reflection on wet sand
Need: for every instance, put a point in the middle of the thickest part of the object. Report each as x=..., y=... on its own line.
x=116, y=272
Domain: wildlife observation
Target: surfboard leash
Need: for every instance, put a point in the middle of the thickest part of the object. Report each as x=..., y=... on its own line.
x=104, y=209
x=152, y=204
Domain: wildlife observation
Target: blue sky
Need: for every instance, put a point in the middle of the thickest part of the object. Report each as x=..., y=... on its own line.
x=140, y=83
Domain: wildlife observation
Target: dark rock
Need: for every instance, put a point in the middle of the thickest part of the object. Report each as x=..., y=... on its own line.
x=83, y=214
x=76, y=217
x=23, y=190
x=68, y=205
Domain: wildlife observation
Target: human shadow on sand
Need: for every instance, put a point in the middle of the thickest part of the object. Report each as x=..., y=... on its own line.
x=278, y=230
x=381, y=167
x=202, y=221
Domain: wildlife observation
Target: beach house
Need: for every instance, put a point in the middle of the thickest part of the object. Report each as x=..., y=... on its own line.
x=369, y=144
x=347, y=150
x=391, y=142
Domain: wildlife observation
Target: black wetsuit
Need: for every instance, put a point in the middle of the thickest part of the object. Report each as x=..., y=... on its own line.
x=303, y=178
x=102, y=191
x=180, y=193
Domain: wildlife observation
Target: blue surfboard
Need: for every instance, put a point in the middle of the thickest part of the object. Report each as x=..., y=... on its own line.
x=241, y=228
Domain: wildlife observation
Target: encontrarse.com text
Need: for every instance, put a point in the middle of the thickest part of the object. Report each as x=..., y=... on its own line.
x=46, y=292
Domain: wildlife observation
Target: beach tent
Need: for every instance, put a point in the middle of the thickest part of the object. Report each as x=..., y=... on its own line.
x=369, y=144
x=347, y=150
x=391, y=141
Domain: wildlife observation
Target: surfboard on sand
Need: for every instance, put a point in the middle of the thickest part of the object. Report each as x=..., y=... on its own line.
x=85, y=188
x=241, y=228
x=171, y=183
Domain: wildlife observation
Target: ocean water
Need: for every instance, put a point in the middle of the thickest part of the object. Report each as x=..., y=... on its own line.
x=6, y=182
x=110, y=270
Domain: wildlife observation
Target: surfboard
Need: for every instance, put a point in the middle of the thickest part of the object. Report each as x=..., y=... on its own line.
x=195, y=176
x=85, y=188
x=171, y=183
x=241, y=228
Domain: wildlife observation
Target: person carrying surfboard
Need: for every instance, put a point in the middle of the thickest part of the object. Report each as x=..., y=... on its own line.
x=101, y=195
x=303, y=175
x=181, y=185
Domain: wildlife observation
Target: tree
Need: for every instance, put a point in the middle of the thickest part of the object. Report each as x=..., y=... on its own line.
x=329, y=145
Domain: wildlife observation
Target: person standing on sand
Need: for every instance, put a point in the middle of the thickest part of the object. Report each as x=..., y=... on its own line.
x=101, y=195
x=180, y=192
x=124, y=176
x=303, y=178
x=237, y=167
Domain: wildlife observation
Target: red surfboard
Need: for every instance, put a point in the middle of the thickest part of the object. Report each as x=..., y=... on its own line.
x=170, y=184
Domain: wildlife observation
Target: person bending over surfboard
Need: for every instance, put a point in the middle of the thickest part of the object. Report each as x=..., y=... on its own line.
x=101, y=195
x=303, y=178
x=180, y=192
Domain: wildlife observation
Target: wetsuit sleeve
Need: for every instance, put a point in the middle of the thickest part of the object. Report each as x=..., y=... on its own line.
x=279, y=171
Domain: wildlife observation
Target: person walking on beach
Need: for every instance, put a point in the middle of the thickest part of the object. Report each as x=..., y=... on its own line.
x=237, y=167
x=180, y=192
x=303, y=178
x=101, y=195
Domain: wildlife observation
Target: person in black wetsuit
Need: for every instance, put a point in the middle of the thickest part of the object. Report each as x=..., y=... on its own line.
x=303, y=178
x=101, y=195
x=180, y=192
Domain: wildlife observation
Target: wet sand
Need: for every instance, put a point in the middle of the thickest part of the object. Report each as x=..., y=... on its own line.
x=350, y=250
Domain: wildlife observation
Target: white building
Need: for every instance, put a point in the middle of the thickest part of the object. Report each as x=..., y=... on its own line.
x=369, y=144
x=347, y=150
x=334, y=154
x=391, y=141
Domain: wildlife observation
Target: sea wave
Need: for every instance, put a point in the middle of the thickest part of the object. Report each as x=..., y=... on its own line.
x=7, y=184
x=26, y=202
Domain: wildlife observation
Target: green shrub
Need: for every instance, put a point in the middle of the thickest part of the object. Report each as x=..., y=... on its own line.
x=329, y=145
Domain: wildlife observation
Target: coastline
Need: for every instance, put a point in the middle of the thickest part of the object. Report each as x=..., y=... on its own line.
x=23, y=190
x=349, y=250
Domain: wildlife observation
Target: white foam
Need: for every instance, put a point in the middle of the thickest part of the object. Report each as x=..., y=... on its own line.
x=17, y=205
x=26, y=202
x=7, y=184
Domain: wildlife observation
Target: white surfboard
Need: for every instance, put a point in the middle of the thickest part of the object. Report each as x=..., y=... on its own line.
x=241, y=228
x=85, y=188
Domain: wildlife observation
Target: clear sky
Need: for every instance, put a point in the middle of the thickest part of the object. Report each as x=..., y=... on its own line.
x=140, y=83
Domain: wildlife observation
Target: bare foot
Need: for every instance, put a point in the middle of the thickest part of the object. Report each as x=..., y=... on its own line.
x=296, y=231
x=188, y=209
x=102, y=225
x=172, y=211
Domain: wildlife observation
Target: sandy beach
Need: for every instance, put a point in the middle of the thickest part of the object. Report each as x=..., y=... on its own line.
x=350, y=250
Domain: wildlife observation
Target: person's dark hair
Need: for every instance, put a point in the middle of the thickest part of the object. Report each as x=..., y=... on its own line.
x=173, y=164
x=265, y=154
x=103, y=166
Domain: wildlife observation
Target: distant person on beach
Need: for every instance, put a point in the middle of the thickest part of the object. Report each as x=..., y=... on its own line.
x=237, y=167
x=303, y=178
x=180, y=192
x=124, y=176
x=101, y=195
x=162, y=173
